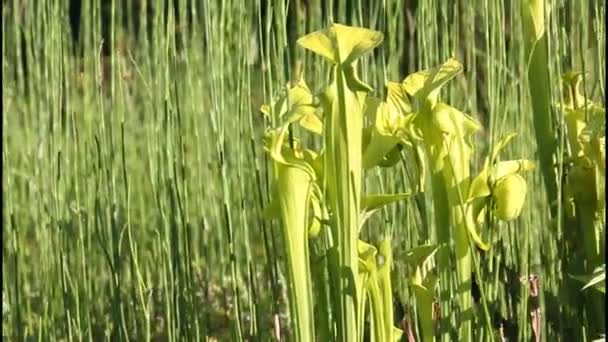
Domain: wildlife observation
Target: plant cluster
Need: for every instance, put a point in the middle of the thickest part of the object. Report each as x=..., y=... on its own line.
x=320, y=200
x=582, y=162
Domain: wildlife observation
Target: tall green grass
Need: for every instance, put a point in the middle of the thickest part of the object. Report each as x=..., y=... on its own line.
x=134, y=183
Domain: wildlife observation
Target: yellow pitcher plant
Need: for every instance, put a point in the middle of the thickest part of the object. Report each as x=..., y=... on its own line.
x=446, y=134
x=329, y=184
x=319, y=194
x=584, y=193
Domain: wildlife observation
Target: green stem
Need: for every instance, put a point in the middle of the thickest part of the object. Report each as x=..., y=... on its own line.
x=449, y=212
x=386, y=290
x=320, y=287
x=463, y=267
x=294, y=184
x=377, y=309
x=442, y=225
x=424, y=306
x=586, y=218
x=538, y=83
x=299, y=291
x=343, y=161
x=456, y=182
x=587, y=221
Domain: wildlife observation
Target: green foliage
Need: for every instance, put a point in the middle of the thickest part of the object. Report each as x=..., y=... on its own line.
x=446, y=135
x=354, y=271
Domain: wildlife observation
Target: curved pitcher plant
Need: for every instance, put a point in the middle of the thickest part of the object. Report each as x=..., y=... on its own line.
x=294, y=177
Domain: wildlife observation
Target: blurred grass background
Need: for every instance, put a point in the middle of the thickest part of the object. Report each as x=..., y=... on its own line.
x=134, y=175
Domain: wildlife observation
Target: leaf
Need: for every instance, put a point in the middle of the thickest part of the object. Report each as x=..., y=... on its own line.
x=511, y=167
x=294, y=179
x=274, y=143
x=286, y=158
x=266, y=110
x=598, y=282
x=300, y=94
x=396, y=98
x=422, y=291
x=320, y=42
x=373, y=202
x=380, y=141
x=430, y=280
x=318, y=217
x=454, y=122
x=316, y=162
x=391, y=128
x=311, y=122
x=476, y=209
x=447, y=135
x=476, y=238
x=354, y=42
x=421, y=166
x=535, y=10
x=479, y=186
x=386, y=120
x=296, y=106
x=341, y=44
x=424, y=307
x=572, y=82
x=367, y=256
x=478, y=199
x=427, y=83
x=392, y=157
x=397, y=334
x=499, y=146
x=378, y=149
x=364, y=216
x=597, y=279
x=533, y=22
x=420, y=254
x=385, y=250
